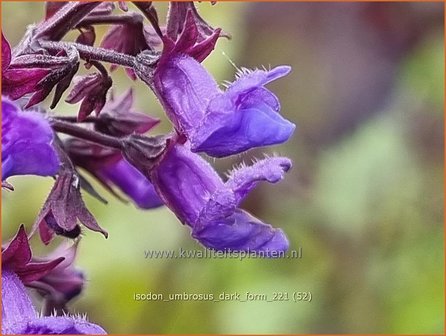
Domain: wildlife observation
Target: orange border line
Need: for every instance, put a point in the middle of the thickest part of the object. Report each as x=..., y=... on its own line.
x=444, y=147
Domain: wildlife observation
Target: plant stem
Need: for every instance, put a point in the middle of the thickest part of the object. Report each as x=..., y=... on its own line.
x=150, y=13
x=72, y=119
x=65, y=19
x=91, y=53
x=131, y=18
x=83, y=133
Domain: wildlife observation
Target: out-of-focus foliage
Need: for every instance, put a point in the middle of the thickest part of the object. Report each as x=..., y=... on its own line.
x=364, y=200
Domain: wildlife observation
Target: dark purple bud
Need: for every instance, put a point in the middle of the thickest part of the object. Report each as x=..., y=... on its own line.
x=176, y=19
x=190, y=42
x=59, y=77
x=18, y=82
x=17, y=257
x=63, y=209
x=112, y=170
x=128, y=38
x=143, y=152
x=118, y=117
x=149, y=11
x=63, y=282
x=92, y=91
x=63, y=19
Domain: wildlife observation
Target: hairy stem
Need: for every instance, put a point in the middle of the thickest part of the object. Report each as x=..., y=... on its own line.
x=131, y=18
x=64, y=20
x=72, y=119
x=86, y=134
x=149, y=12
x=91, y=53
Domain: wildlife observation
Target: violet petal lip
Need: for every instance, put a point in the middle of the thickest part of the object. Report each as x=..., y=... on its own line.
x=20, y=317
x=221, y=123
x=200, y=199
x=26, y=143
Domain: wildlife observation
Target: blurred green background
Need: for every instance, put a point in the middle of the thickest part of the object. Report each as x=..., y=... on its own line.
x=364, y=199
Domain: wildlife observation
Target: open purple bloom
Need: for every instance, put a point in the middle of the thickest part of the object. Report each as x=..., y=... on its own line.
x=26, y=143
x=221, y=123
x=192, y=189
x=20, y=317
x=110, y=168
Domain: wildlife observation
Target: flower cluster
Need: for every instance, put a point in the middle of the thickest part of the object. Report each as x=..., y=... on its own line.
x=113, y=146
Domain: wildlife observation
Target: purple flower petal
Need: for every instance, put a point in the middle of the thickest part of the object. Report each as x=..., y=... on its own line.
x=20, y=317
x=241, y=232
x=185, y=89
x=110, y=168
x=131, y=182
x=245, y=116
x=196, y=194
x=221, y=123
x=26, y=143
x=185, y=182
x=16, y=304
x=243, y=180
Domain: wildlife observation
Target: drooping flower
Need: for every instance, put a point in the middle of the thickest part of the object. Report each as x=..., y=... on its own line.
x=191, y=188
x=63, y=209
x=17, y=82
x=110, y=168
x=92, y=91
x=26, y=143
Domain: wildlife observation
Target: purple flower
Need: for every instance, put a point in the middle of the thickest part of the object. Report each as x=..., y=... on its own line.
x=112, y=170
x=26, y=143
x=221, y=123
x=18, y=82
x=20, y=317
x=192, y=189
